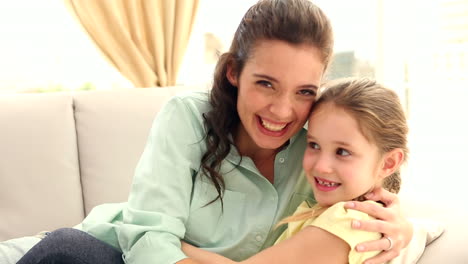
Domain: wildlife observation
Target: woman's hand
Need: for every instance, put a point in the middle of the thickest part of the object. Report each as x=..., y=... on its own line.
x=396, y=229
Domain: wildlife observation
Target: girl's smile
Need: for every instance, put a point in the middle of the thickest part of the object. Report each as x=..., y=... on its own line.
x=324, y=185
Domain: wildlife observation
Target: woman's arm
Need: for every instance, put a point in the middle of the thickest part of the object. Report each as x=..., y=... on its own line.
x=389, y=221
x=202, y=256
x=151, y=231
x=311, y=244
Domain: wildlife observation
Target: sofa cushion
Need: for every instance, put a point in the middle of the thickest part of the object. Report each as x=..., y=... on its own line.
x=39, y=175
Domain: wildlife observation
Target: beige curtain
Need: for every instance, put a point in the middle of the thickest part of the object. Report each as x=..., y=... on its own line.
x=144, y=39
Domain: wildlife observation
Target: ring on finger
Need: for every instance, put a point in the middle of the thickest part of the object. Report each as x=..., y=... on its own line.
x=390, y=241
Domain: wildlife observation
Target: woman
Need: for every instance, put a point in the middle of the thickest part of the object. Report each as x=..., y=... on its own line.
x=219, y=171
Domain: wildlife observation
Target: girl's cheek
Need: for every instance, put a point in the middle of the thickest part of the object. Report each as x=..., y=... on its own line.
x=307, y=163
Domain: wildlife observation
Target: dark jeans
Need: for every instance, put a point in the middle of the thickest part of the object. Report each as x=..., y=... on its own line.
x=71, y=246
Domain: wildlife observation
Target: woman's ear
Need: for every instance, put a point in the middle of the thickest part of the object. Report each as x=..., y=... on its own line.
x=392, y=160
x=231, y=74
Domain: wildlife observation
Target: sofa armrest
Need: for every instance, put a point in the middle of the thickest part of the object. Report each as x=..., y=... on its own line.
x=450, y=247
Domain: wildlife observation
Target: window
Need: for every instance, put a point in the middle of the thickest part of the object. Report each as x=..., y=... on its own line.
x=43, y=48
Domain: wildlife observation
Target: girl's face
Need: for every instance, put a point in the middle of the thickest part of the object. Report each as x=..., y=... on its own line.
x=276, y=90
x=340, y=163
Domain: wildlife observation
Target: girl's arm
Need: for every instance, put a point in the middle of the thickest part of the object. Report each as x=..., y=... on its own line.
x=311, y=244
x=188, y=261
x=389, y=221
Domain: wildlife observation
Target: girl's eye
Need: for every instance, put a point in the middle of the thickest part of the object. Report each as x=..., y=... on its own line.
x=342, y=152
x=308, y=92
x=314, y=145
x=265, y=83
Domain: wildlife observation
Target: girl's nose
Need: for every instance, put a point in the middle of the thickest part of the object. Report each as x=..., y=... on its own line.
x=323, y=165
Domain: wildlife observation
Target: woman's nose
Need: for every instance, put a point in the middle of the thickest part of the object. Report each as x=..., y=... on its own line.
x=282, y=106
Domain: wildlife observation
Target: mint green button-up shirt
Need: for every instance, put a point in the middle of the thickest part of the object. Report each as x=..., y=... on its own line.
x=169, y=197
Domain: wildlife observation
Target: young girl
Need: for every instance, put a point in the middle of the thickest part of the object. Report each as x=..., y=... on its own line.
x=356, y=141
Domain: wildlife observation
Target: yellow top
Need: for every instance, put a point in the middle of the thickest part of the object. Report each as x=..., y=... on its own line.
x=336, y=220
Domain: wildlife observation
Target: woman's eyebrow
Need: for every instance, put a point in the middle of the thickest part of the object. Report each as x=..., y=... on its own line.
x=265, y=77
x=258, y=75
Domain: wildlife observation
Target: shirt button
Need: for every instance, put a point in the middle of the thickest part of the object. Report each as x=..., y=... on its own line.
x=281, y=160
x=258, y=238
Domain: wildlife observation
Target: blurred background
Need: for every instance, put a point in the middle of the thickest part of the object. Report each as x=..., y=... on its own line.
x=418, y=48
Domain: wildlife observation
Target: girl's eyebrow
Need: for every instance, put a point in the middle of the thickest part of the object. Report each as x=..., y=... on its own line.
x=258, y=75
x=342, y=143
x=337, y=142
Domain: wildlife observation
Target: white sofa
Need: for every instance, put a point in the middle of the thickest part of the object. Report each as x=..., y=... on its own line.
x=62, y=154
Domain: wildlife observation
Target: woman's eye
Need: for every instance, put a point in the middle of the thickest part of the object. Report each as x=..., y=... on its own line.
x=314, y=145
x=308, y=92
x=342, y=152
x=265, y=83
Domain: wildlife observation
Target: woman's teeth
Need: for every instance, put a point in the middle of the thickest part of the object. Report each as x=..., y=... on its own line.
x=273, y=127
x=328, y=184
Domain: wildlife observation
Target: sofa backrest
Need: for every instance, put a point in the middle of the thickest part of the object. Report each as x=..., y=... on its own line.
x=62, y=154
x=112, y=129
x=40, y=185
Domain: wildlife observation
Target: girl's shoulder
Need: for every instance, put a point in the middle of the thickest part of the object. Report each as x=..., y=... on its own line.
x=337, y=220
x=338, y=210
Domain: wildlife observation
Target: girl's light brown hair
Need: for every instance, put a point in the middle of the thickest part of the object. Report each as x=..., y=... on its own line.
x=380, y=117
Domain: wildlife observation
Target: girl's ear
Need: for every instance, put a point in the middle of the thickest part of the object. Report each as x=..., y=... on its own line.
x=391, y=162
x=231, y=75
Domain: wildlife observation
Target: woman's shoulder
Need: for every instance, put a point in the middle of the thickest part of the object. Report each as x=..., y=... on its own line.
x=181, y=118
x=193, y=100
x=186, y=108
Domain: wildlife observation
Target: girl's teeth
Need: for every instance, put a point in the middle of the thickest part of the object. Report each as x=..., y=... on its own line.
x=328, y=184
x=272, y=127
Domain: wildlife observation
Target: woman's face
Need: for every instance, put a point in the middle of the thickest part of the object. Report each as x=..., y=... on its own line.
x=276, y=90
x=340, y=163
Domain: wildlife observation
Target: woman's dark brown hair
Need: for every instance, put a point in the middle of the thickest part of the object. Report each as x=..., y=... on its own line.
x=293, y=21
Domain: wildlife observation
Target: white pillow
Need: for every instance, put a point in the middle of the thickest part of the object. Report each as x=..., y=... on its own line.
x=424, y=232
x=12, y=250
